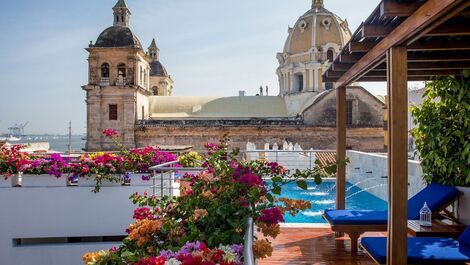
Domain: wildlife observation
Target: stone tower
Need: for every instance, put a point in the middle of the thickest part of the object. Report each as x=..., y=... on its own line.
x=118, y=83
x=161, y=83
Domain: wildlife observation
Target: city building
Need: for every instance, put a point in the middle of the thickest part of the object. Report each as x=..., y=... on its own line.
x=130, y=90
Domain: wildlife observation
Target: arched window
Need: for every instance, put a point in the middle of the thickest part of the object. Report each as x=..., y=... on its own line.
x=155, y=91
x=105, y=70
x=329, y=55
x=121, y=70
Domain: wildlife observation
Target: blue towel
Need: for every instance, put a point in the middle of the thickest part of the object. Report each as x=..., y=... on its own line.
x=436, y=196
x=422, y=250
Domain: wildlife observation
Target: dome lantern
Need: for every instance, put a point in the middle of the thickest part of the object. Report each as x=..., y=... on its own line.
x=317, y=4
x=122, y=14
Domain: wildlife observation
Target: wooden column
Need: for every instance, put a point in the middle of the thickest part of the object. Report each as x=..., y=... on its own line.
x=397, y=78
x=341, y=147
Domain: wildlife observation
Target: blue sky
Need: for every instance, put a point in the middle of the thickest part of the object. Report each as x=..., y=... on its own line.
x=210, y=47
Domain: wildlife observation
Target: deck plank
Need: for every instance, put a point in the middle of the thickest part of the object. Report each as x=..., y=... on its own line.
x=314, y=246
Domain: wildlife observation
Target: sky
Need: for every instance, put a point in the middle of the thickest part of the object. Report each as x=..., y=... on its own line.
x=210, y=47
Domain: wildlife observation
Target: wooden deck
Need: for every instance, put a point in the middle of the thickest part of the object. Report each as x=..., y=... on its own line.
x=314, y=246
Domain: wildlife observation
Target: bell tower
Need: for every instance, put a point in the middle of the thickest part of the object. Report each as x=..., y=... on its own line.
x=122, y=15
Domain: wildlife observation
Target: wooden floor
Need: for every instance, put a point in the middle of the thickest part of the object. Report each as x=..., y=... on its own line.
x=314, y=246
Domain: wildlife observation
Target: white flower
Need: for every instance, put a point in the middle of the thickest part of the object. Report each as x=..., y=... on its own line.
x=172, y=261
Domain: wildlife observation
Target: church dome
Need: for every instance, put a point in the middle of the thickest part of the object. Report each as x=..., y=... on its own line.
x=118, y=37
x=157, y=69
x=316, y=29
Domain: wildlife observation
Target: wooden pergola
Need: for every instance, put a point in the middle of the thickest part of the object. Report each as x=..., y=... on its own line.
x=401, y=41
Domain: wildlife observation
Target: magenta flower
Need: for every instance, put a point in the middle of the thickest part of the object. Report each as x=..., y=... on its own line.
x=251, y=180
x=271, y=216
x=110, y=132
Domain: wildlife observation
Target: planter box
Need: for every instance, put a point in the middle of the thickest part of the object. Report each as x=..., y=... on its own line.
x=464, y=205
x=43, y=181
x=90, y=182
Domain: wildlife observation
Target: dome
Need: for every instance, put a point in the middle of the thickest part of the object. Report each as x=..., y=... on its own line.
x=157, y=69
x=317, y=28
x=117, y=37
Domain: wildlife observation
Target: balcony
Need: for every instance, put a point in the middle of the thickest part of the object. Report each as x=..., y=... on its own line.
x=104, y=81
x=121, y=81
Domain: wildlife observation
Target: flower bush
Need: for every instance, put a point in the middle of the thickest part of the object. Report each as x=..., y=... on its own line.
x=113, y=167
x=214, y=210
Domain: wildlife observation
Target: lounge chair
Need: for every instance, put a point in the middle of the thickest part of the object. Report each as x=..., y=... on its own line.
x=356, y=222
x=424, y=250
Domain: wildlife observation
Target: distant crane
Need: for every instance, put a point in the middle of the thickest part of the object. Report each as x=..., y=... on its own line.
x=17, y=130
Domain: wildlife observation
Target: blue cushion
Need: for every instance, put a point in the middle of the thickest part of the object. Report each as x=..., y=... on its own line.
x=350, y=217
x=422, y=250
x=465, y=237
x=436, y=196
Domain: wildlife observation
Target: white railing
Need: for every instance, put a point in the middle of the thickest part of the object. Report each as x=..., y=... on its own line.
x=104, y=81
x=290, y=159
x=121, y=81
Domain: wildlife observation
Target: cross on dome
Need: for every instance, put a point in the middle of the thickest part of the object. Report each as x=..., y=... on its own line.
x=317, y=3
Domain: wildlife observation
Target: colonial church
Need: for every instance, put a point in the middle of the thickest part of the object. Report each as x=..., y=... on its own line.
x=130, y=90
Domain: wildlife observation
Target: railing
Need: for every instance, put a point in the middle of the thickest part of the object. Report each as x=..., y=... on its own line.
x=290, y=159
x=104, y=81
x=159, y=172
x=121, y=81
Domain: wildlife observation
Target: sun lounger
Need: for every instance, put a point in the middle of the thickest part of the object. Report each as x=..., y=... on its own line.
x=356, y=222
x=424, y=250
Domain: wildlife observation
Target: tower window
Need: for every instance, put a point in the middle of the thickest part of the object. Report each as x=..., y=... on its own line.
x=113, y=112
x=155, y=91
x=329, y=55
x=349, y=112
x=328, y=85
x=105, y=70
x=121, y=70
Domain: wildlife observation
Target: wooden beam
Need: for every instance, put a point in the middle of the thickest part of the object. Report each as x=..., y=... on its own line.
x=446, y=29
x=360, y=46
x=411, y=27
x=350, y=58
x=439, y=56
x=341, y=66
x=439, y=44
x=375, y=31
x=341, y=147
x=391, y=8
x=397, y=156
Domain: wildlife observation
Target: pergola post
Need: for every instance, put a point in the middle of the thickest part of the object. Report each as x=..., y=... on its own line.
x=341, y=147
x=397, y=78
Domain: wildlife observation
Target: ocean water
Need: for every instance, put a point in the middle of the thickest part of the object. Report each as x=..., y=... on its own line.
x=323, y=197
x=57, y=142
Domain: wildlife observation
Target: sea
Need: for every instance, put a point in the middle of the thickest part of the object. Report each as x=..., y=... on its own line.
x=57, y=143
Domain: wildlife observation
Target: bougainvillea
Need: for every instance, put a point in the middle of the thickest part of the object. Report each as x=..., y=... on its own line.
x=212, y=208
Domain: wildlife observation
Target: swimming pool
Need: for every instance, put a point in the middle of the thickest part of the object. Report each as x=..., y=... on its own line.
x=323, y=197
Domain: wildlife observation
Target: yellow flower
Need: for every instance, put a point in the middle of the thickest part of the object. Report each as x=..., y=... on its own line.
x=94, y=257
x=199, y=213
x=272, y=230
x=262, y=248
x=142, y=231
x=294, y=206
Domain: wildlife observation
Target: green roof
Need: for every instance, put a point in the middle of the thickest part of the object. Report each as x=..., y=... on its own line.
x=120, y=4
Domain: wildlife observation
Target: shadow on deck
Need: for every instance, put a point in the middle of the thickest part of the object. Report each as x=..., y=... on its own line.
x=314, y=246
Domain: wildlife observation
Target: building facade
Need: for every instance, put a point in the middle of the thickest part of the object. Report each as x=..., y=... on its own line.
x=130, y=90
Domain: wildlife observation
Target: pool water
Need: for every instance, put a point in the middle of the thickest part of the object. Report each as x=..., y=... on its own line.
x=323, y=197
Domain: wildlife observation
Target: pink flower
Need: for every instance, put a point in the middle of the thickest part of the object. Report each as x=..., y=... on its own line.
x=143, y=213
x=251, y=180
x=110, y=132
x=271, y=216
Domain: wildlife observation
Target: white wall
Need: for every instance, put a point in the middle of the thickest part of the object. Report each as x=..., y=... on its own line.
x=36, y=212
x=366, y=171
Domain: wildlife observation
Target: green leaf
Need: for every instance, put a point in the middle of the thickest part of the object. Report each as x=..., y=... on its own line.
x=276, y=179
x=302, y=184
x=276, y=190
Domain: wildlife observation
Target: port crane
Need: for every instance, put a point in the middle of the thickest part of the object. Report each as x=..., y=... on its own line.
x=17, y=130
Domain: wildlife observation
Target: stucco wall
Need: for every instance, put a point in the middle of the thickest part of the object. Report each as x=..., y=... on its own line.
x=367, y=110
